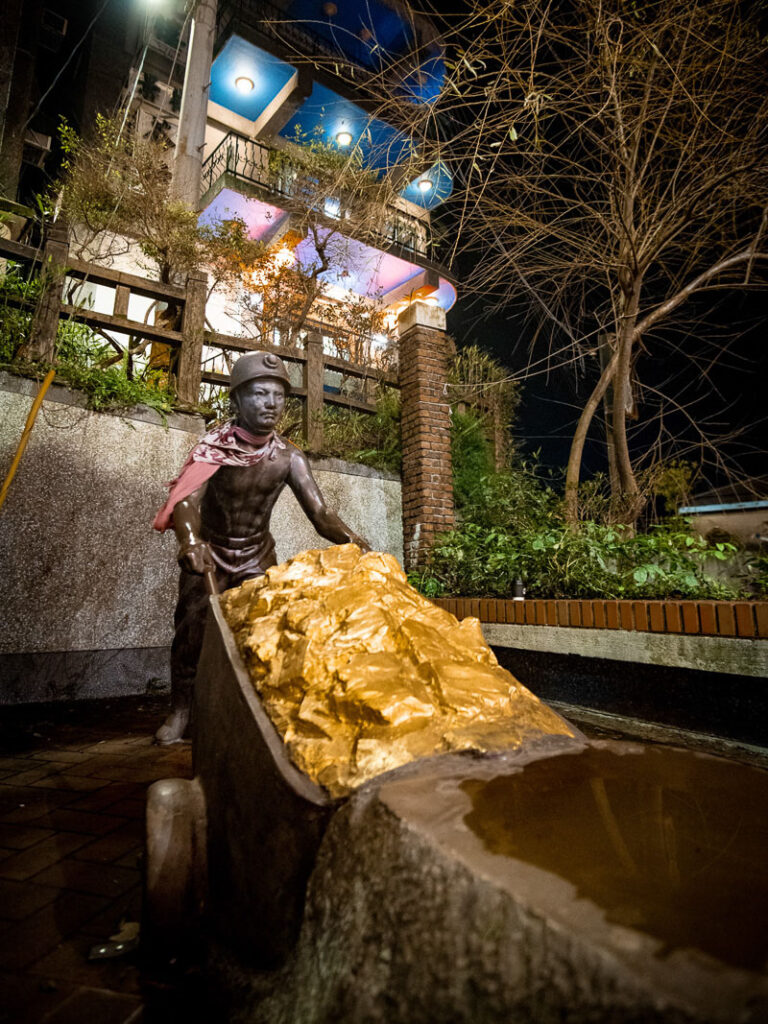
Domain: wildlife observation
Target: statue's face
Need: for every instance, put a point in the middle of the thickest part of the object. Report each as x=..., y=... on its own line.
x=259, y=404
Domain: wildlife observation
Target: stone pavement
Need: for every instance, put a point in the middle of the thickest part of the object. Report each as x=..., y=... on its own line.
x=73, y=780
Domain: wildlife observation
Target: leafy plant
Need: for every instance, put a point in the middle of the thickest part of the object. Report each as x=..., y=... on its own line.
x=480, y=385
x=513, y=525
x=372, y=440
x=18, y=295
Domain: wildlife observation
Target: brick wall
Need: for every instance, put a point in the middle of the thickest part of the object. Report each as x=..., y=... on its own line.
x=427, y=482
x=707, y=618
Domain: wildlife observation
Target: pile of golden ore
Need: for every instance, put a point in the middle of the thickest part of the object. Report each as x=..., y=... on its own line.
x=360, y=673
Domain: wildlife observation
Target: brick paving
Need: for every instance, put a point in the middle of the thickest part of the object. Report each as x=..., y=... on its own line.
x=73, y=780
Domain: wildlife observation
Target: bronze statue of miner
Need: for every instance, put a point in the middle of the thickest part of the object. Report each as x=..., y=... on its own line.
x=220, y=506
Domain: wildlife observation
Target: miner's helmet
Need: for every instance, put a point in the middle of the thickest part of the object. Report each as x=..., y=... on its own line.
x=254, y=365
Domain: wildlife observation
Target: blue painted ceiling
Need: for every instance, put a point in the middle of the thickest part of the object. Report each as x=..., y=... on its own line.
x=326, y=113
x=441, y=186
x=268, y=74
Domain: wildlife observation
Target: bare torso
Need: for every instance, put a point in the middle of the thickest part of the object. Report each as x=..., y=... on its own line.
x=237, y=502
x=234, y=507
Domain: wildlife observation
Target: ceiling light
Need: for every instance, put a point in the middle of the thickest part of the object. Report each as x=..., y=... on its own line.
x=425, y=184
x=343, y=138
x=244, y=84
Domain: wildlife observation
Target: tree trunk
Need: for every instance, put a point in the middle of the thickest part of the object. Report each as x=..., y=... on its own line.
x=607, y=345
x=580, y=436
x=621, y=393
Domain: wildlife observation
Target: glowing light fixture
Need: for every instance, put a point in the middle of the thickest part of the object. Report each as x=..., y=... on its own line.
x=244, y=84
x=343, y=138
x=425, y=184
x=284, y=257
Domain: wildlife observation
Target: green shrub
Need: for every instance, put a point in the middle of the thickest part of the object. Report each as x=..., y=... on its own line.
x=511, y=527
x=18, y=296
x=593, y=561
x=79, y=353
x=372, y=440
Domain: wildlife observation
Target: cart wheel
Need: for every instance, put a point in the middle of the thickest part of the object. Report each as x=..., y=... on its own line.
x=175, y=867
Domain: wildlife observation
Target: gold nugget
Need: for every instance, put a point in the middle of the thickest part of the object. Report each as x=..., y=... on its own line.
x=361, y=674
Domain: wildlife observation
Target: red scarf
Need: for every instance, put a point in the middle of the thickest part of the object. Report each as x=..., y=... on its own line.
x=219, y=447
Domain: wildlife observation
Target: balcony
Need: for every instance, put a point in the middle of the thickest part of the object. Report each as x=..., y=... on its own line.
x=238, y=162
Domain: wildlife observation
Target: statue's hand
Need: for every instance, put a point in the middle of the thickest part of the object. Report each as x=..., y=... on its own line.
x=364, y=546
x=196, y=558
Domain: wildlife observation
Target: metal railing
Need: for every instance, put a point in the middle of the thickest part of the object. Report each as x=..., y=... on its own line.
x=248, y=161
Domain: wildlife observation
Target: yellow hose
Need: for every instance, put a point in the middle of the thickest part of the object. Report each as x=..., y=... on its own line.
x=27, y=431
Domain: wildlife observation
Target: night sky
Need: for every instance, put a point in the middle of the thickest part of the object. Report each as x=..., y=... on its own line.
x=732, y=396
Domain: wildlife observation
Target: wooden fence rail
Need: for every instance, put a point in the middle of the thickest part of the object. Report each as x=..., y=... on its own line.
x=188, y=336
x=747, y=619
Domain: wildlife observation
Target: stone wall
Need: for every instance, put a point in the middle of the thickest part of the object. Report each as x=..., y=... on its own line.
x=88, y=587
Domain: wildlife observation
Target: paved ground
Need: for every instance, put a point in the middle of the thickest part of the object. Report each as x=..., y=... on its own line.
x=73, y=780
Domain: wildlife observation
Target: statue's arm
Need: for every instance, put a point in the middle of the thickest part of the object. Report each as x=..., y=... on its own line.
x=194, y=555
x=309, y=496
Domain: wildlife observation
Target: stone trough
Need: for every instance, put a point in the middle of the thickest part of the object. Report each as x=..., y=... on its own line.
x=561, y=881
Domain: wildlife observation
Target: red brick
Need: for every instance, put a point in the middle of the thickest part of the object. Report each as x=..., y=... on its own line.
x=612, y=614
x=674, y=615
x=640, y=613
x=745, y=620
x=690, y=617
x=726, y=620
x=598, y=611
x=574, y=612
x=708, y=617
x=587, y=614
x=551, y=613
x=656, y=616
x=520, y=615
x=563, y=618
x=626, y=618
x=761, y=616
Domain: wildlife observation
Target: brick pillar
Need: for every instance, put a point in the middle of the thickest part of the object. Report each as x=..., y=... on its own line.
x=427, y=482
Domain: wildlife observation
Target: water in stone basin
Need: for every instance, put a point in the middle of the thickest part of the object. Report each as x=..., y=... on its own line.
x=665, y=841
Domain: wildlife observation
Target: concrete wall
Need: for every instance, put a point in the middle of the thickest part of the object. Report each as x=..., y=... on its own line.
x=706, y=684
x=731, y=655
x=88, y=588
